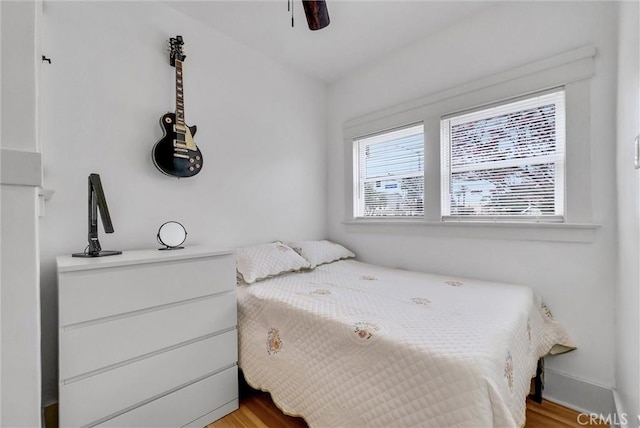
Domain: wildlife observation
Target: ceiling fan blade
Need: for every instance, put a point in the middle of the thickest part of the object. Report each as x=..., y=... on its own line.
x=316, y=13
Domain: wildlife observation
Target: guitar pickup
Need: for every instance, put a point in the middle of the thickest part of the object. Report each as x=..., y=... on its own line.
x=178, y=145
x=180, y=155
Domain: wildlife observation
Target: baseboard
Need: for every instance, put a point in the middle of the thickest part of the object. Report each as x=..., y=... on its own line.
x=578, y=394
x=625, y=420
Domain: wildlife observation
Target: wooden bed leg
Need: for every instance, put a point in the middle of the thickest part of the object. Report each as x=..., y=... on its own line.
x=538, y=382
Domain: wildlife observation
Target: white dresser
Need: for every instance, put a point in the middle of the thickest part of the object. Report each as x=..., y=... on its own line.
x=147, y=338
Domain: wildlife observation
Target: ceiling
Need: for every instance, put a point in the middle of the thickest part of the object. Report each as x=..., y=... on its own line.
x=360, y=30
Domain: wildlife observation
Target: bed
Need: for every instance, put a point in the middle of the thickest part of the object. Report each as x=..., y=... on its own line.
x=352, y=344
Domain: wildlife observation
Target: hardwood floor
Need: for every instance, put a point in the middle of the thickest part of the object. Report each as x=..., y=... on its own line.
x=257, y=410
x=551, y=415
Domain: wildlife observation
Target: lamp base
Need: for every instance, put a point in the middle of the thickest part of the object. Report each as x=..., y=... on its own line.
x=103, y=253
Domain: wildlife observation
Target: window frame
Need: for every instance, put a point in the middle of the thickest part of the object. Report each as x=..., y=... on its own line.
x=572, y=70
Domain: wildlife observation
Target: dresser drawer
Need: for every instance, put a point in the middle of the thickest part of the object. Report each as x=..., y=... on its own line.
x=93, y=346
x=96, y=293
x=109, y=393
x=218, y=392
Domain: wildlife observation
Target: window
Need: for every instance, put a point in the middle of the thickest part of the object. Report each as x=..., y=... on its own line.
x=505, y=162
x=529, y=177
x=389, y=173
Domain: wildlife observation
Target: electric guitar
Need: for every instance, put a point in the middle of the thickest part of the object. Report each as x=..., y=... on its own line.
x=176, y=154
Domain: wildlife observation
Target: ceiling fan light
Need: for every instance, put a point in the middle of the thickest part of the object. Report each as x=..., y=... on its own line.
x=316, y=13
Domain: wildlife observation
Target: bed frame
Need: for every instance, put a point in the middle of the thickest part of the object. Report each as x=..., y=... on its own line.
x=538, y=382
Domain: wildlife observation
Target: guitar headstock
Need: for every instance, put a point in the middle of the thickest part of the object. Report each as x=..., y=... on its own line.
x=176, y=50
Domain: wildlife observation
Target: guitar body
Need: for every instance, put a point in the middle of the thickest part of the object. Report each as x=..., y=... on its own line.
x=176, y=154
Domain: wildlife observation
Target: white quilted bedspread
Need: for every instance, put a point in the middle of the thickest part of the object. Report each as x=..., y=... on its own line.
x=356, y=345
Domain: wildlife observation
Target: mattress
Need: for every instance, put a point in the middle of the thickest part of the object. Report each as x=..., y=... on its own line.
x=351, y=344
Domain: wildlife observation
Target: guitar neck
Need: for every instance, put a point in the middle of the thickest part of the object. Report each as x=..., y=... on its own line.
x=179, y=95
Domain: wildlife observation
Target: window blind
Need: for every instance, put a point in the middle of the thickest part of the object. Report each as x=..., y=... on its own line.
x=390, y=173
x=506, y=161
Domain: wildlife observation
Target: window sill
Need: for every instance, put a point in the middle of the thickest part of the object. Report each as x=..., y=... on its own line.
x=552, y=232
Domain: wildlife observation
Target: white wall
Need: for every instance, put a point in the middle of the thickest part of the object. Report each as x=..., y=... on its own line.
x=577, y=280
x=628, y=180
x=261, y=128
x=19, y=291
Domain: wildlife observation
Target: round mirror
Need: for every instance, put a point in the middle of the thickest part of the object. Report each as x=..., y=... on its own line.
x=172, y=234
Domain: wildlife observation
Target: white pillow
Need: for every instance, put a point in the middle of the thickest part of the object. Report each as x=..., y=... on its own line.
x=258, y=262
x=320, y=252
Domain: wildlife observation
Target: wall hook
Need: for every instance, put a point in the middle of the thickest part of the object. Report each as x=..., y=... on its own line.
x=44, y=58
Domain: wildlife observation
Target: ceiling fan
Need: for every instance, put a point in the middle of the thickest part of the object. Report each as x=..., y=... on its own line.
x=315, y=11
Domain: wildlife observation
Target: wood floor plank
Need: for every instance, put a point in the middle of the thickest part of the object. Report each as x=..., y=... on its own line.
x=268, y=413
x=550, y=414
x=259, y=405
